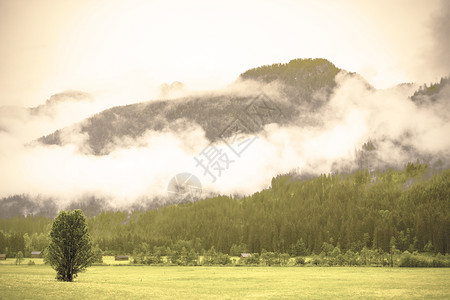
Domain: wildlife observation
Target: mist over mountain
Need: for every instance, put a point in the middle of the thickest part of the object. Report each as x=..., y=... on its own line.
x=70, y=96
x=306, y=117
x=300, y=86
x=60, y=110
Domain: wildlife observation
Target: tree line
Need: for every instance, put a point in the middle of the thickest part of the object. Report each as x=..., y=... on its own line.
x=405, y=209
x=366, y=257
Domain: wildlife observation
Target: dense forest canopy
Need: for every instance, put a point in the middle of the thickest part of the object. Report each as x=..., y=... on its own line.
x=408, y=209
x=310, y=74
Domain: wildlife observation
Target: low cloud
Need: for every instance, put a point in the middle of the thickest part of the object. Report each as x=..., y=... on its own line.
x=140, y=169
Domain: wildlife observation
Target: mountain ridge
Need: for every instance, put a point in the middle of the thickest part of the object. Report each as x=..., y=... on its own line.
x=212, y=112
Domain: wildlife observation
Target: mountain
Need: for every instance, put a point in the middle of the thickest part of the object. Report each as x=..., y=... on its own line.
x=66, y=97
x=301, y=78
x=433, y=92
x=67, y=101
x=292, y=90
x=319, y=109
x=69, y=96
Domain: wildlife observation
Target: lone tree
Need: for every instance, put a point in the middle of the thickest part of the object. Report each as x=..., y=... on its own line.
x=19, y=257
x=70, y=249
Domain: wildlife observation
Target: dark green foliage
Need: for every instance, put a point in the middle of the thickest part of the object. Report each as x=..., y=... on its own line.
x=222, y=259
x=327, y=248
x=70, y=249
x=270, y=258
x=15, y=243
x=310, y=74
x=236, y=250
x=284, y=259
x=19, y=257
x=98, y=255
x=414, y=169
x=367, y=257
x=411, y=260
x=3, y=242
x=29, y=224
x=181, y=254
x=428, y=247
x=300, y=261
x=35, y=242
x=299, y=249
x=351, y=258
x=377, y=212
x=254, y=259
x=212, y=257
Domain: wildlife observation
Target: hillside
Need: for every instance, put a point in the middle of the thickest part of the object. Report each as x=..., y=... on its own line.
x=432, y=92
x=296, y=81
x=293, y=94
x=301, y=77
x=407, y=209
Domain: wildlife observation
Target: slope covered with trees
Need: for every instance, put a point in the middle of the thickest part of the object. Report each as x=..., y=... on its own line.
x=408, y=210
x=297, y=81
x=432, y=92
x=301, y=78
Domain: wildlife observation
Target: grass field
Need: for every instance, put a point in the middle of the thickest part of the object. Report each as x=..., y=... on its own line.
x=144, y=282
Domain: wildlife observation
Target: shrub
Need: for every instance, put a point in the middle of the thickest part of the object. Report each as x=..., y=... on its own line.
x=19, y=257
x=300, y=260
x=98, y=255
x=317, y=261
x=285, y=259
x=253, y=259
x=409, y=260
x=222, y=259
x=339, y=260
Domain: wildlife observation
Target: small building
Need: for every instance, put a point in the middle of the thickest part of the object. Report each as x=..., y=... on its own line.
x=245, y=255
x=121, y=257
x=2, y=256
x=36, y=254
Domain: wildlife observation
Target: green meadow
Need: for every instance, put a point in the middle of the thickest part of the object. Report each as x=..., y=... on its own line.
x=174, y=282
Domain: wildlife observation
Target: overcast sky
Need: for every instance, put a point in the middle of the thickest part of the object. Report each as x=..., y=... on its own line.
x=131, y=47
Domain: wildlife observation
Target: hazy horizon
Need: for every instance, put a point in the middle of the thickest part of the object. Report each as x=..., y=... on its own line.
x=125, y=50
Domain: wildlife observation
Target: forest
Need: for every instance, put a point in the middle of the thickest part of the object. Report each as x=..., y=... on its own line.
x=406, y=210
x=298, y=81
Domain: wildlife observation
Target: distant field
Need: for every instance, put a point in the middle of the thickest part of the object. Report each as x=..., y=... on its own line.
x=144, y=282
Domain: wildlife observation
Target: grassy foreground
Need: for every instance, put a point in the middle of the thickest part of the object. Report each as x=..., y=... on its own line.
x=144, y=282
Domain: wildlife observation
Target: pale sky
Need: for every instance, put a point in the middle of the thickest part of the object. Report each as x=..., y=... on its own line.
x=131, y=47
